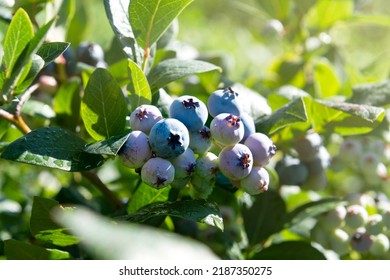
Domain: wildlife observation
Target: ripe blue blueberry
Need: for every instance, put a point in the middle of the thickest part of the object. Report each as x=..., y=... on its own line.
x=200, y=140
x=291, y=171
x=169, y=138
x=249, y=125
x=224, y=101
x=90, y=53
x=235, y=161
x=361, y=241
x=256, y=182
x=191, y=111
x=308, y=147
x=184, y=164
x=136, y=150
x=227, y=129
x=157, y=172
x=262, y=148
x=144, y=117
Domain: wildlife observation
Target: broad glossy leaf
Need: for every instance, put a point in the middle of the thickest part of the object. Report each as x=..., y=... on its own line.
x=36, y=108
x=103, y=106
x=105, y=240
x=145, y=195
x=289, y=250
x=291, y=113
x=311, y=209
x=52, y=147
x=326, y=82
x=342, y=117
x=120, y=72
x=138, y=87
x=173, y=69
x=150, y=19
x=194, y=210
x=118, y=15
x=325, y=13
x=374, y=94
x=32, y=72
x=109, y=147
x=18, y=250
x=52, y=50
x=67, y=103
x=267, y=215
x=18, y=36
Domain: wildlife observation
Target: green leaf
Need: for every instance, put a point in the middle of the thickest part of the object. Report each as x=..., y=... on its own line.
x=18, y=36
x=40, y=215
x=119, y=71
x=66, y=104
x=103, y=239
x=374, y=94
x=278, y=9
x=327, y=12
x=52, y=50
x=150, y=19
x=138, y=88
x=311, y=209
x=145, y=195
x=58, y=237
x=289, y=250
x=109, y=147
x=264, y=217
x=173, y=69
x=52, y=147
x=103, y=107
x=24, y=59
x=342, y=117
x=32, y=72
x=36, y=108
x=18, y=250
x=118, y=16
x=194, y=210
x=326, y=82
x=292, y=112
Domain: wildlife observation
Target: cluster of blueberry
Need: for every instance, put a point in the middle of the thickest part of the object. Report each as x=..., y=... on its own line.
x=306, y=165
x=181, y=150
x=362, y=226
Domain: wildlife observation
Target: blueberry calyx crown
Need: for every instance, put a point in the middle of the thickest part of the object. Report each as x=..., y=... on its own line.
x=190, y=168
x=206, y=134
x=174, y=140
x=244, y=161
x=233, y=120
x=142, y=114
x=230, y=93
x=160, y=181
x=272, y=150
x=190, y=103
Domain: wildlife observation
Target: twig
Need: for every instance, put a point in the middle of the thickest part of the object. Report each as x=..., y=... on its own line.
x=95, y=180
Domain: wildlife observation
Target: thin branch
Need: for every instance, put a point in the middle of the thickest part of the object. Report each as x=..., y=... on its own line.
x=95, y=180
x=25, y=97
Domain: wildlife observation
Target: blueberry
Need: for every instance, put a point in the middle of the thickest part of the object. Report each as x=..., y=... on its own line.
x=319, y=235
x=317, y=178
x=308, y=146
x=334, y=218
x=249, y=125
x=90, y=53
x=157, y=172
x=191, y=111
x=207, y=166
x=224, y=101
x=386, y=218
x=262, y=148
x=361, y=241
x=136, y=150
x=291, y=171
x=200, y=140
x=169, y=138
x=338, y=241
x=235, y=161
x=356, y=217
x=380, y=245
x=256, y=182
x=227, y=129
x=374, y=224
x=184, y=164
x=350, y=149
x=144, y=117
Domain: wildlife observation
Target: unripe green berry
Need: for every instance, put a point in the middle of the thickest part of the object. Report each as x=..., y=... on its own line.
x=356, y=217
x=319, y=235
x=338, y=241
x=380, y=245
x=334, y=218
x=374, y=224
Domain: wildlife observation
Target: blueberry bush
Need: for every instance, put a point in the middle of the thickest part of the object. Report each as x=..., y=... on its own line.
x=252, y=129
